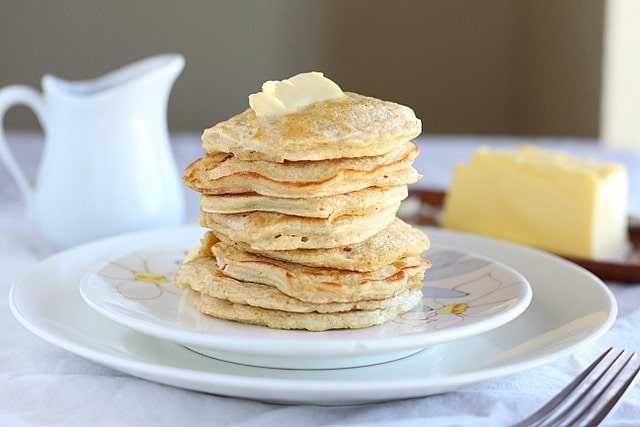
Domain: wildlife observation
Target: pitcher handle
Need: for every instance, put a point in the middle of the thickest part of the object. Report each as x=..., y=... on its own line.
x=11, y=96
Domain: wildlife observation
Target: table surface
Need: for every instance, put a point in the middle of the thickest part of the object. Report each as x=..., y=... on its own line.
x=45, y=385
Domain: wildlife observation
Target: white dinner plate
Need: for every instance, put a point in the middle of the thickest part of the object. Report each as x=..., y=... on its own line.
x=570, y=306
x=464, y=295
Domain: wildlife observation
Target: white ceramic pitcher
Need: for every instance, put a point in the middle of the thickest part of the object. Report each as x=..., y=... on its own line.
x=107, y=165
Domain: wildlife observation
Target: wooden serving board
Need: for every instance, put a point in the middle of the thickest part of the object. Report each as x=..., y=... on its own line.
x=424, y=207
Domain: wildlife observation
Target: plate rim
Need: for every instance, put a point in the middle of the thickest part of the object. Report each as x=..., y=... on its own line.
x=337, y=346
x=276, y=388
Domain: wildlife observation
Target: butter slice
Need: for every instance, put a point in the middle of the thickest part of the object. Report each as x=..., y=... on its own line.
x=291, y=95
x=546, y=199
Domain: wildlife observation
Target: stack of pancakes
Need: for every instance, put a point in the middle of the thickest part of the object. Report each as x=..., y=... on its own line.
x=301, y=211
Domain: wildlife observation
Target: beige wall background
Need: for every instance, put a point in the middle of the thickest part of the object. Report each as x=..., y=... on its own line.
x=465, y=66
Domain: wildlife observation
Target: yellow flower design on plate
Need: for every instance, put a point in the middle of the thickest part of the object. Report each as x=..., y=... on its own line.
x=149, y=277
x=142, y=275
x=453, y=308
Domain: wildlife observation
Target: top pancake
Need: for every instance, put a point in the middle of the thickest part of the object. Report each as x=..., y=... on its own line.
x=353, y=126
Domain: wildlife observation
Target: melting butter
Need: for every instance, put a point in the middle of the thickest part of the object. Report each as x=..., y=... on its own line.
x=293, y=94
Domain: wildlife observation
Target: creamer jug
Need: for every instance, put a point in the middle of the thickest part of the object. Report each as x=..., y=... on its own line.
x=107, y=166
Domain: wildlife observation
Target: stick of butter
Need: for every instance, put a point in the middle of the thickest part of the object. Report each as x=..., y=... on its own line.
x=291, y=95
x=546, y=199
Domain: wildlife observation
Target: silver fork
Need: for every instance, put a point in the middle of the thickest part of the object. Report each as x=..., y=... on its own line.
x=588, y=399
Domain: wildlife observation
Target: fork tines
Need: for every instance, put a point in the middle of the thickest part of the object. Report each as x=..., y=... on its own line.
x=589, y=398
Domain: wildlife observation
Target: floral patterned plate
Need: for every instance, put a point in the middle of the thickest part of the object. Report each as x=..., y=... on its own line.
x=464, y=295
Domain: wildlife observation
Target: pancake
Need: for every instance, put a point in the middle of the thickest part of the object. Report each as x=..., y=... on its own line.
x=359, y=202
x=394, y=242
x=218, y=285
x=203, y=273
x=224, y=173
x=353, y=126
x=313, y=321
x=274, y=231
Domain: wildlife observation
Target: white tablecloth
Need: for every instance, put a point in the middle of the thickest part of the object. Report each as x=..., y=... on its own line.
x=41, y=384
